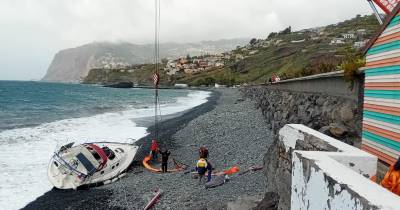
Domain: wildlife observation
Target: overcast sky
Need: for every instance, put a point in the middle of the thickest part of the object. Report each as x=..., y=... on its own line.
x=32, y=31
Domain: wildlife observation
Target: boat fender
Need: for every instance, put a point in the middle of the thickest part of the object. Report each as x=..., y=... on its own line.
x=107, y=182
x=122, y=175
x=115, y=179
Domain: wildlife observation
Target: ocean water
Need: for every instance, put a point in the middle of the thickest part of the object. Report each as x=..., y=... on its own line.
x=37, y=118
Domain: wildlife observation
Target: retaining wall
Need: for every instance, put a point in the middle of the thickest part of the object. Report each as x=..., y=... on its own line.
x=323, y=102
x=336, y=178
x=332, y=84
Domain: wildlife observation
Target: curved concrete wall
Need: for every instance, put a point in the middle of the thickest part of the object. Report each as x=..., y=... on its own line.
x=332, y=84
x=336, y=178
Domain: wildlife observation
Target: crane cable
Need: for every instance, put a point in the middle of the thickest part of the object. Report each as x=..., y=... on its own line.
x=156, y=76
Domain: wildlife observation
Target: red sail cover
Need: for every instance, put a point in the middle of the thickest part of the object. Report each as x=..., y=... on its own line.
x=102, y=154
x=386, y=5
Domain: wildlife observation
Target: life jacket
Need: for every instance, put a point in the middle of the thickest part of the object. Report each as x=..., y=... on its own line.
x=201, y=166
x=202, y=163
x=154, y=146
x=391, y=181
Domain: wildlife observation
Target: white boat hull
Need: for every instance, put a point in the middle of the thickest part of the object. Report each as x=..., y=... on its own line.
x=68, y=170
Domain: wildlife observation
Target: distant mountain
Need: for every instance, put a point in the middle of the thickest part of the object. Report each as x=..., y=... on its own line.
x=72, y=65
x=288, y=54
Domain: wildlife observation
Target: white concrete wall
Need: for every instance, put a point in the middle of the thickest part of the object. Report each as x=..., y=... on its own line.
x=333, y=179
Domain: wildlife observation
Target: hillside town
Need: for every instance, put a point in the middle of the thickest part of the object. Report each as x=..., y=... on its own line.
x=193, y=65
x=197, y=64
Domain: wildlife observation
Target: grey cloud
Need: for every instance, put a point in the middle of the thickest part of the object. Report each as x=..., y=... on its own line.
x=32, y=31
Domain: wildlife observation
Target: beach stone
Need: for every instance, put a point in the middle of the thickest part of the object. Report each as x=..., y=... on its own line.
x=269, y=202
x=244, y=203
x=320, y=101
x=346, y=113
x=337, y=129
x=325, y=130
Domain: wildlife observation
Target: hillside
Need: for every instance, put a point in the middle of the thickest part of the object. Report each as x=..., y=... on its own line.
x=291, y=54
x=138, y=74
x=286, y=53
x=72, y=65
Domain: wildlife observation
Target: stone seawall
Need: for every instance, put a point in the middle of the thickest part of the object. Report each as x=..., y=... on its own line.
x=332, y=115
x=329, y=107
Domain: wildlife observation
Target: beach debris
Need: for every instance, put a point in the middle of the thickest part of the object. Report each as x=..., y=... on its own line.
x=252, y=168
x=154, y=200
x=215, y=182
x=180, y=165
x=230, y=171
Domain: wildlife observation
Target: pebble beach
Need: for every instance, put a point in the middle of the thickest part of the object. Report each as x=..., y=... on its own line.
x=229, y=125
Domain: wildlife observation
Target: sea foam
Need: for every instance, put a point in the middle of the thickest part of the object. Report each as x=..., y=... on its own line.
x=26, y=151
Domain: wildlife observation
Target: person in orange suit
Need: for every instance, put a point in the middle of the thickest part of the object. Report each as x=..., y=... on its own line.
x=391, y=181
x=154, y=149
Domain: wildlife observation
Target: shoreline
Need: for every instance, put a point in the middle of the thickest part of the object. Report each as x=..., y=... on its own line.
x=54, y=197
x=168, y=126
x=232, y=129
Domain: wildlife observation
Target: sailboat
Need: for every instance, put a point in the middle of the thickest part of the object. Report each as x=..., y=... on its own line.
x=99, y=162
x=88, y=164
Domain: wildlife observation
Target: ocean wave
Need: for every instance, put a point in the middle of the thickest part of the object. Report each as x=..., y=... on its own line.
x=24, y=161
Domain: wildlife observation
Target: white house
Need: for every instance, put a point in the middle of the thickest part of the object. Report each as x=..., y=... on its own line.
x=181, y=85
x=362, y=32
x=360, y=44
x=336, y=41
x=219, y=86
x=253, y=52
x=297, y=41
x=349, y=36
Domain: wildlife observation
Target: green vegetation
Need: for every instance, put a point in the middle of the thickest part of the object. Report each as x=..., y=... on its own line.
x=286, y=53
x=138, y=74
x=290, y=54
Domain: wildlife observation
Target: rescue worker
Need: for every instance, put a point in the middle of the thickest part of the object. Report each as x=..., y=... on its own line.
x=164, y=157
x=203, y=153
x=154, y=149
x=201, y=168
x=391, y=181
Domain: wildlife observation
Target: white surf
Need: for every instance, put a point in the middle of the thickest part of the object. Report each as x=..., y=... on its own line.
x=26, y=151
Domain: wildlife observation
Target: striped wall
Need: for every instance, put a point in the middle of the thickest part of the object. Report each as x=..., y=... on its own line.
x=381, y=117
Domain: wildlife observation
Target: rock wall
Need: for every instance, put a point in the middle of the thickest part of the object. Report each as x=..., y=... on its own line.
x=312, y=103
x=332, y=115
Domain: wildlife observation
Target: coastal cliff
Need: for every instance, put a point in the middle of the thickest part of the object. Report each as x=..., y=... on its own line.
x=72, y=65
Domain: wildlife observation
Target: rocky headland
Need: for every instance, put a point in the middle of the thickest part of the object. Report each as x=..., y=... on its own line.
x=74, y=64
